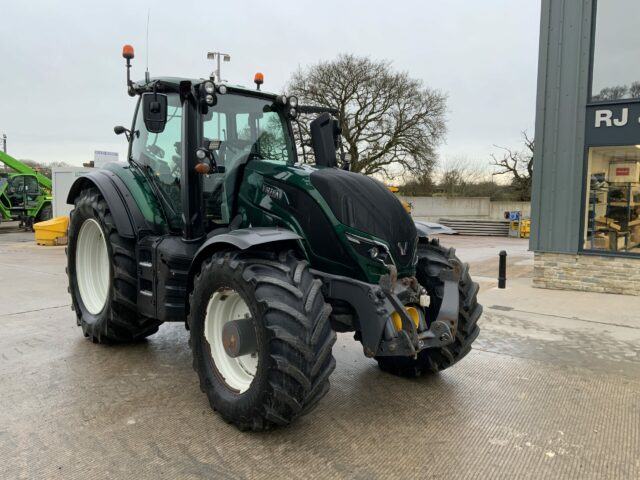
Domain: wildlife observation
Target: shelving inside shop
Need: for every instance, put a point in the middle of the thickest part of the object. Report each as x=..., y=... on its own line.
x=614, y=208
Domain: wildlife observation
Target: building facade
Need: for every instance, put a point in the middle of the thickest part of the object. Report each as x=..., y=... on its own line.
x=586, y=185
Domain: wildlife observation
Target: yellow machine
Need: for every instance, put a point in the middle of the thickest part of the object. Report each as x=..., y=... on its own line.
x=407, y=206
x=520, y=228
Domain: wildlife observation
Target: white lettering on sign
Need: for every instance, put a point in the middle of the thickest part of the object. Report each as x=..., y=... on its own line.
x=603, y=116
x=606, y=117
x=621, y=122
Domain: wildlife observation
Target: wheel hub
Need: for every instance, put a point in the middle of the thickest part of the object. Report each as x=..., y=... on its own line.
x=239, y=337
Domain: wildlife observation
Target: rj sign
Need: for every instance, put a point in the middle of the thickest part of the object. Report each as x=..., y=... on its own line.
x=613, y=124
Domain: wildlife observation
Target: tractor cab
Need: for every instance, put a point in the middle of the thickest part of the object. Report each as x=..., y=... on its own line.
x=238, y=127
x=23, y=191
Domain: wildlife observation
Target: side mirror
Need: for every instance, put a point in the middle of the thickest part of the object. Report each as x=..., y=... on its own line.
x=119, y=130
x=154, y=110
x=325, y=133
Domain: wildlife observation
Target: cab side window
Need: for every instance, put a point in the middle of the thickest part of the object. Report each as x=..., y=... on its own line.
x=160, y=154
x=215, y=129
x=31, y=187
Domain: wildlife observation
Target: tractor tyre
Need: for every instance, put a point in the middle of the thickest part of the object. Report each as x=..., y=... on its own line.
x=282, y=367
x=432, y=259
x=103, y=281
x=45, y=213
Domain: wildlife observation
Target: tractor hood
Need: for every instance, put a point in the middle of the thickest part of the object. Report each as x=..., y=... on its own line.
x=349, y=224
x=365, y=204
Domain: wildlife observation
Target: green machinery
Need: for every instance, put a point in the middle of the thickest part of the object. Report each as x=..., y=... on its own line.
x=24, y=195
x=214, y=222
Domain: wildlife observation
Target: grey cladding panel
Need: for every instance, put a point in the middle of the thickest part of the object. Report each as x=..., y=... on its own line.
x=560, y=115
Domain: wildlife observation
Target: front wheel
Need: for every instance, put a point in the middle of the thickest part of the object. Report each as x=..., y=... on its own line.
x=261, y=337
x=45, y=213
x=432, y=259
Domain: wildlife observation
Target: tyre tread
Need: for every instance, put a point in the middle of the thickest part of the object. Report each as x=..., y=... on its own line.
x=299, y=335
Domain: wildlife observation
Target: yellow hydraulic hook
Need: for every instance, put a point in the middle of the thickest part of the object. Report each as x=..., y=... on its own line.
x=413, y=313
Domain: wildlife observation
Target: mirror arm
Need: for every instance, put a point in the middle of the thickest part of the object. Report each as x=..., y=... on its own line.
x=130, y=88
x=304, y=152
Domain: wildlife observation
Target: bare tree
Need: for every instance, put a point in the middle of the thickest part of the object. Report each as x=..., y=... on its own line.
x=391, y=123
x=519, y=165
x=460, y=176
x=42, y=167
x=615, y=92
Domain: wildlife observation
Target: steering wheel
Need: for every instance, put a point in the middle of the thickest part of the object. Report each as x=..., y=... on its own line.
x=254, y=156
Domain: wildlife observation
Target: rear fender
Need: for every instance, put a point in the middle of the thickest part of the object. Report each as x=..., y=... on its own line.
x=129, y=220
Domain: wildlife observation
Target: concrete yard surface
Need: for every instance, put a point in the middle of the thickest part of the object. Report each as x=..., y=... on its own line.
x=551, y=390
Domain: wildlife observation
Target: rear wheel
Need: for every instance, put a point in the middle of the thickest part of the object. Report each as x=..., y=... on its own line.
x=261, y=337
x=432, y=259
x=102, y=274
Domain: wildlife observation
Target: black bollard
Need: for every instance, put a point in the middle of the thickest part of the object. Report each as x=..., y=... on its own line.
x=502, y=270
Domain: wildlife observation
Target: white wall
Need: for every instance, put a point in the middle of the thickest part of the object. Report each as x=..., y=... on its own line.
x=63, y=178
x=435, y=208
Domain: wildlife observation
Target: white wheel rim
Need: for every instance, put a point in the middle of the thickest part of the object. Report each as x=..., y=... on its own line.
x=92, y=266
x=226, y=305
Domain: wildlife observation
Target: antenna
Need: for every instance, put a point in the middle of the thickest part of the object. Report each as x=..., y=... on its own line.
x=146, y=73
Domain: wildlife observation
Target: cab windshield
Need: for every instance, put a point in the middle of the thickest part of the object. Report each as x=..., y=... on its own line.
x=242, y=126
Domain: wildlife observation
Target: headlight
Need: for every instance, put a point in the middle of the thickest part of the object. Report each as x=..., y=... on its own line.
x=222, y=89
x=209, y=87
x=293, y=113
x=370, y=249
x=209, y=99
x=281, y=99
x=293, y=102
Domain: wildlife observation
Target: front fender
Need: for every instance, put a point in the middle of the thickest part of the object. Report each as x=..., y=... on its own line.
x=240, y=239
x=243, y=238
x=426, y=229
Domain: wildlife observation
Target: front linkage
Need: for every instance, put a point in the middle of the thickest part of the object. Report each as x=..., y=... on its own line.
x=376, y=305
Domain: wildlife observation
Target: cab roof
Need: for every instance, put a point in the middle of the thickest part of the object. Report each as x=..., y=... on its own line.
x=172, y=84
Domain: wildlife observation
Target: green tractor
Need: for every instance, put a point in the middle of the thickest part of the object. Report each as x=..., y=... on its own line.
x=214, y=222
x=24, y=195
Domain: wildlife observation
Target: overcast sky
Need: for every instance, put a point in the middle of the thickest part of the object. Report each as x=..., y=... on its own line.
x=62, y=81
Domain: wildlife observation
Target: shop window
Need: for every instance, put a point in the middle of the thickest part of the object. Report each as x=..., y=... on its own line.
x=612, y=220
x=616, y=70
